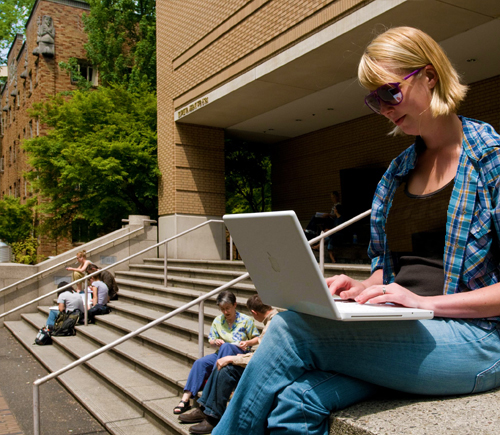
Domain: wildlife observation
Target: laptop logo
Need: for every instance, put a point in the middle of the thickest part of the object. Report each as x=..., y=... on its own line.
x=274, y=263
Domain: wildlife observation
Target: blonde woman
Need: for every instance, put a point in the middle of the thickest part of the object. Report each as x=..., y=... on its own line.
x=446, y=190
x=79, y=272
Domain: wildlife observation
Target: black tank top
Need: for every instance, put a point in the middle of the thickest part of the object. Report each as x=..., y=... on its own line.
x=416, y=231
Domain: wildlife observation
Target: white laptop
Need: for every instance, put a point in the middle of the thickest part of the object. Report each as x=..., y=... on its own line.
x=285, y=272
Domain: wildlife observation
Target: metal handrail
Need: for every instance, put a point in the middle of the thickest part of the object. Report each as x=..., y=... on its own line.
x=200, y=300
x=36, y=275
x=323, y=235
x=177, y=236
x=105, y=268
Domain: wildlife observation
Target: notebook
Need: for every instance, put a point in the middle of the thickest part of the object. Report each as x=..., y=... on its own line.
x=285, y=272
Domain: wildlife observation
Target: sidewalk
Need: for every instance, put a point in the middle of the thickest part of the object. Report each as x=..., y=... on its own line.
x=60, y=412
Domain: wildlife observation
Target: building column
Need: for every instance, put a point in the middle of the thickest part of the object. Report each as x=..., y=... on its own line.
x=192, y=191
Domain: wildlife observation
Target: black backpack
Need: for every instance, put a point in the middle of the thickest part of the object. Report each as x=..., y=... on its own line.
x=65, y=323
x=43, y=337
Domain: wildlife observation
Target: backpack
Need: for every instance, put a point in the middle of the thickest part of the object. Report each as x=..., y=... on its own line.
x=43, y=337
x=65, y=323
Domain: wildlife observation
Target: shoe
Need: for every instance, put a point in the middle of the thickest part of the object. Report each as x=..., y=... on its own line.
x=196, y=416
x=201, y=428
x=182, y=407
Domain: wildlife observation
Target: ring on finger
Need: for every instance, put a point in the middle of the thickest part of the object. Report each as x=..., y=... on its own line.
x=384, y=290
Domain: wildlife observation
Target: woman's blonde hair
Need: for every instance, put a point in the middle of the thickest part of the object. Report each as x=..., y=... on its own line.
x=82, y=254
x=405, y=49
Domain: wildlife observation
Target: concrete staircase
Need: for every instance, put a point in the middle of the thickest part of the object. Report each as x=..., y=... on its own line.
x=133, y=388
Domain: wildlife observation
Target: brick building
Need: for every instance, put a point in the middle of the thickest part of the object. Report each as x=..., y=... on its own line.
x=284, y=73
x=54, y=33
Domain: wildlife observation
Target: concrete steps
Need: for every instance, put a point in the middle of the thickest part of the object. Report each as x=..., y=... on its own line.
x=133, y=388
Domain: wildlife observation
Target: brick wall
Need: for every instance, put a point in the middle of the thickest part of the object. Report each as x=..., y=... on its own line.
x=307, y=168
x=199, y=170
x=44, y=78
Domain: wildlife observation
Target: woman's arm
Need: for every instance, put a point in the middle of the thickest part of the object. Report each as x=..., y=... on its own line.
x=484, y=302
x=80, y=269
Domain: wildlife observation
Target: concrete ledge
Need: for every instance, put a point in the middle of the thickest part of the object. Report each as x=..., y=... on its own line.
x=475, y=414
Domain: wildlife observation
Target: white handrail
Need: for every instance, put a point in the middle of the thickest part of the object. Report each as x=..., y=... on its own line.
x=35, y=275
x=200, y=300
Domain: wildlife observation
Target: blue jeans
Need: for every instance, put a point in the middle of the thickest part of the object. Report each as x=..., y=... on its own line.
x=52, y=317
x=202, y=368
x=307, y=367
x=96, y=310
x=218, y=389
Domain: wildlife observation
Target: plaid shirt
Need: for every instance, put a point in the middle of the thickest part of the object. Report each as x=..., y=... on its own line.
x=473, y=225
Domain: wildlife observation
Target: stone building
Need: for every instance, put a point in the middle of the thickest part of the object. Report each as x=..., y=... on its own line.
x=284, y=73
x=54, y=33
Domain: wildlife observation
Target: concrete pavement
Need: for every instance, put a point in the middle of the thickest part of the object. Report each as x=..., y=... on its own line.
x=60, y=412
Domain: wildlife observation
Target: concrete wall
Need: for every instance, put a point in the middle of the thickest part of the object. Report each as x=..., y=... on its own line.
x=205, y=243
x=116, y=251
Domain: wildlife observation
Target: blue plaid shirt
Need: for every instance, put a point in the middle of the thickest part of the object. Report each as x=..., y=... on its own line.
x=473, y=225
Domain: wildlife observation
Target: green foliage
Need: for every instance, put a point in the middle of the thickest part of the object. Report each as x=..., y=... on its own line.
x=98, y=162
x=13, y=16
x=122, y=41
x=16, y=220
x=72, y=69
x=248, y=177
x=25, y=252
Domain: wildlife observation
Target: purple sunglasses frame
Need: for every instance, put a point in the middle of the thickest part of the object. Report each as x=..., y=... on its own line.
x=394, y=85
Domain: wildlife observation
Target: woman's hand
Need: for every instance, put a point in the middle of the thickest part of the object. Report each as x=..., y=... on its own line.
x=345, y=287
x=393, y=293
x=244, y=345
x=219, y=342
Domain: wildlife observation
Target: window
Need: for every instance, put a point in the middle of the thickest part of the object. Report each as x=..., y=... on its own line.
x=30, y=129
x=87, y=71
x=1, y=165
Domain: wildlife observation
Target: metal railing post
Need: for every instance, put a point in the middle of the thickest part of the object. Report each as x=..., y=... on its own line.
x=201, y=329
x=165, y=264
x=36, y=410
x=322, y=254
x=85, y=303
x=231, y=248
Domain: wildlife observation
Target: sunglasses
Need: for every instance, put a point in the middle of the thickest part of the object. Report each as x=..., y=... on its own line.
x=390, y=93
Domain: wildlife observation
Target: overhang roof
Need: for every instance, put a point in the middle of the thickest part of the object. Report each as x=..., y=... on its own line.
x=313, y=84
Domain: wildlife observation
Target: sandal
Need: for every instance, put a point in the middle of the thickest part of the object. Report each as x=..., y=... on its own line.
x=181, y=409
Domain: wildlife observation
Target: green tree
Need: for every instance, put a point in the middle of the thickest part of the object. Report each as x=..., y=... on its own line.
x=122, y=41
x=98, y=161
x=16, y=220
x=248, y=177
x=13, y=16
x=17, y=229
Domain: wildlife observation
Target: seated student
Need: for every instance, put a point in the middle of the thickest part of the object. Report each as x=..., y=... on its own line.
x=225, y=378
x=108, y=279
x=230, y=333
x=79, y=272
x=100, y=298
x=68, y=300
